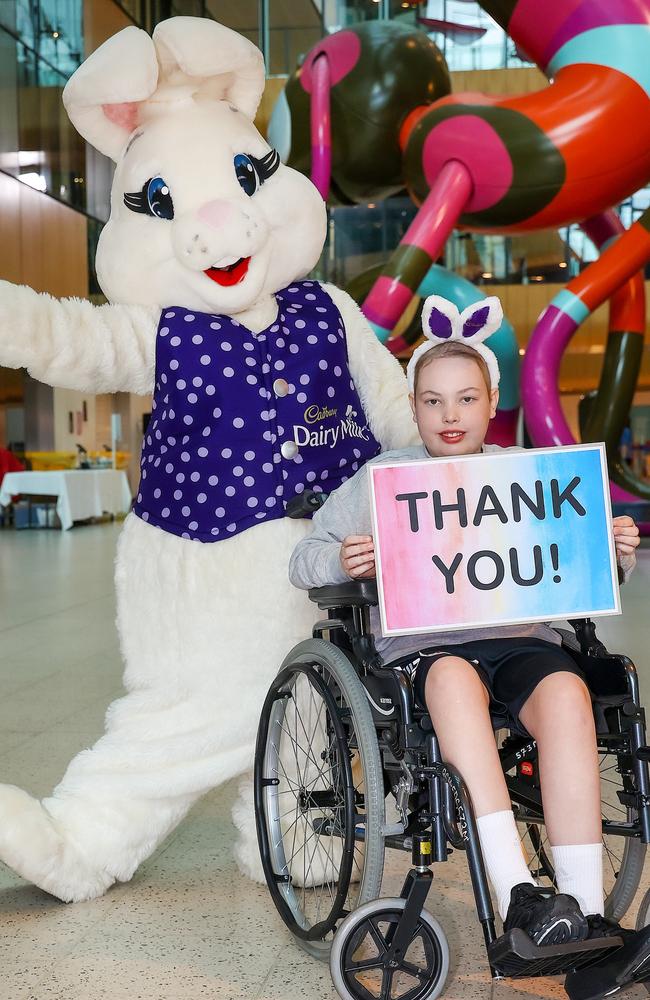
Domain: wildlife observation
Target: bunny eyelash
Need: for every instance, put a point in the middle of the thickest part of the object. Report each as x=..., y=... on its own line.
x=137, y=201
x=267, y=165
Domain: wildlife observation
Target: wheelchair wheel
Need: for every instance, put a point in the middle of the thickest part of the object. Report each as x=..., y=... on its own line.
x=643, y=916
x=623, y=857
x=642, y=920
x=319, y=794
x=357, y=962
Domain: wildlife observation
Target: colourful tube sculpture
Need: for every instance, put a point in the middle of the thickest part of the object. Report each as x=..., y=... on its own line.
x=558, y=323
x=339, y=117
x=540, y=160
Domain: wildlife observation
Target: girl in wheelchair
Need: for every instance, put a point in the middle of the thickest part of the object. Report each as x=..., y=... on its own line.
x=518, y=673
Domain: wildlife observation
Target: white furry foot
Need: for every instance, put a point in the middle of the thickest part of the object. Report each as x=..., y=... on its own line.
x=316, y=860
x=247, y=856
x=32, y=844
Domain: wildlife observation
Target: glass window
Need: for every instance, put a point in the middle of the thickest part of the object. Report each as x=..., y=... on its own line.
x=295, y=26
x=468, y=37
x=342, y=13
x=53, y=30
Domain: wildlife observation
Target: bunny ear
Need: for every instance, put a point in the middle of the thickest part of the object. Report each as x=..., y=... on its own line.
x=216, y=61
x=440, y=318
x=481, y=319
x=104, y=96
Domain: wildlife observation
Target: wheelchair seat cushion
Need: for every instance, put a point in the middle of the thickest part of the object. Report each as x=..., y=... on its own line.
x=510, y=669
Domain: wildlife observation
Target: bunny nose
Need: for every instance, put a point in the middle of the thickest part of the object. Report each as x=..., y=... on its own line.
x=216, y=213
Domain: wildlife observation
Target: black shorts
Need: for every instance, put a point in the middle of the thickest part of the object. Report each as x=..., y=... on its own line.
x=510, y=669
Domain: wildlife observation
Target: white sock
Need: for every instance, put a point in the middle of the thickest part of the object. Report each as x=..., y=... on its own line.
x=579, y=872
x=503, y=855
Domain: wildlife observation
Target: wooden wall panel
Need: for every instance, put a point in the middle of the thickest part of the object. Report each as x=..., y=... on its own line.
x=43, y=241
x=498, y=82
x=10, y=263
x=272, y=90
x=102, y=18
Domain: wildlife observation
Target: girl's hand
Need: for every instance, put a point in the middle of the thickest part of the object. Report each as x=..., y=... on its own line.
x=358, y=556
x=626, y=539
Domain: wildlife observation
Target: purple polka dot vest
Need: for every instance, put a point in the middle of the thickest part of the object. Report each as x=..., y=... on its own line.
x=241, y=423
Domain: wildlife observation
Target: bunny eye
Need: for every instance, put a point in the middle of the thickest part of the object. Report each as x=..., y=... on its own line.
x=154, y=199
x=251, y=172
x=246, y=174
x=159, y=199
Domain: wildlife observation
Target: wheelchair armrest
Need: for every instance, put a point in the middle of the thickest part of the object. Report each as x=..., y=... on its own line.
x=585, y=631
x=355, y=594
x=611, y=676
x=608, y=675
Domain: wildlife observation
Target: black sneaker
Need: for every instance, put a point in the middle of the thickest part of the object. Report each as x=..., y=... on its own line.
x=604, y=927
x=546, y=917
x=609, y=977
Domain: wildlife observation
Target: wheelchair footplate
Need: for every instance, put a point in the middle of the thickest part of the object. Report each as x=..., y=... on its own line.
x=514, y=955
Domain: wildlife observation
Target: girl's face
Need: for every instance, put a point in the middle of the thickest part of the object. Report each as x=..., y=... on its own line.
x=452, y=407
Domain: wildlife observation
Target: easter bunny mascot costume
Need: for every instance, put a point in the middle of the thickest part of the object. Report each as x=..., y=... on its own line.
x=263, y=385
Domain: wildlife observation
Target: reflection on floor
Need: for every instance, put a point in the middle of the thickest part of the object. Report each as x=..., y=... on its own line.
x=188, y=925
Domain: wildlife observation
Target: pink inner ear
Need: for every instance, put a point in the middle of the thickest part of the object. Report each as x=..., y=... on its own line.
x=125, y=115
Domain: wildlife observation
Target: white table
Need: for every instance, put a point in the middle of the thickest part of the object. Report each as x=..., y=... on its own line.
x=81, y=493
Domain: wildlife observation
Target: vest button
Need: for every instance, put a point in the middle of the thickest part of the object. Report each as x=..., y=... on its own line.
x=281, y=387
x=289, y=449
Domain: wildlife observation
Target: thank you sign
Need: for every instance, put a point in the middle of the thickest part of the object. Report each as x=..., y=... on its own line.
x=493, y=539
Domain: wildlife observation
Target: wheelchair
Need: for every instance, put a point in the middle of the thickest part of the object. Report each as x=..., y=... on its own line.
x=340, y=731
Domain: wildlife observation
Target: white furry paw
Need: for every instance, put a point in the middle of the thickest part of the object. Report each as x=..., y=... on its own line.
x=32, y=844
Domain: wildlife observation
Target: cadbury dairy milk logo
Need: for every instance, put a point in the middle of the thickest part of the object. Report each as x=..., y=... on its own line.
x=313, y=414
x=347, y=427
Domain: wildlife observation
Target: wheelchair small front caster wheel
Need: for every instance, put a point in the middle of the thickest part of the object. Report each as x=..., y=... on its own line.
x=358, y=960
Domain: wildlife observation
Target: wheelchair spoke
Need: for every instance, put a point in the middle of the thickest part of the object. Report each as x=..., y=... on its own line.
x=386, y=984
x=326, y=883
x=295, y=834
x=377, y=936
x=308, y=751
x=292, y=786
x=610, y=854
x=413, y=970
x=294, y=746
x=364, y=965
x=609, y=781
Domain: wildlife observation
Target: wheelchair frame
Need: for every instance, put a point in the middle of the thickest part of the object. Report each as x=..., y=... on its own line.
x=410, y=752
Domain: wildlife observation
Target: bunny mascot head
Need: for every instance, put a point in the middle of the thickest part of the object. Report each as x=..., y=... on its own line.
x=203, y=213
x=263, y=385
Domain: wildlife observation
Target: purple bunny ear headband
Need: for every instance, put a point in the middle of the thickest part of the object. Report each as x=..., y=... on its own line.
x=442, y=322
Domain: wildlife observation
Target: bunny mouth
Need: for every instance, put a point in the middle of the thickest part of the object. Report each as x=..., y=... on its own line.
x=232, y=274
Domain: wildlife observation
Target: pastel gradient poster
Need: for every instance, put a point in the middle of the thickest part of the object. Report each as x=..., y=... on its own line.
x=493, y=539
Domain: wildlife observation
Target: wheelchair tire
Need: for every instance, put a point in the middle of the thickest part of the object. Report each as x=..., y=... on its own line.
x=643, y=916
x=642, y=920
x=334, y=796
x=359, y=978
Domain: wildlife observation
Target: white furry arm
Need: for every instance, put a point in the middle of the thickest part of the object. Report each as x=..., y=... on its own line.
x=378, y=376
x=72, y=344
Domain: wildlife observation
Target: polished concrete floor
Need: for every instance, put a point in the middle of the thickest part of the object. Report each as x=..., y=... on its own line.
x=188, y=925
